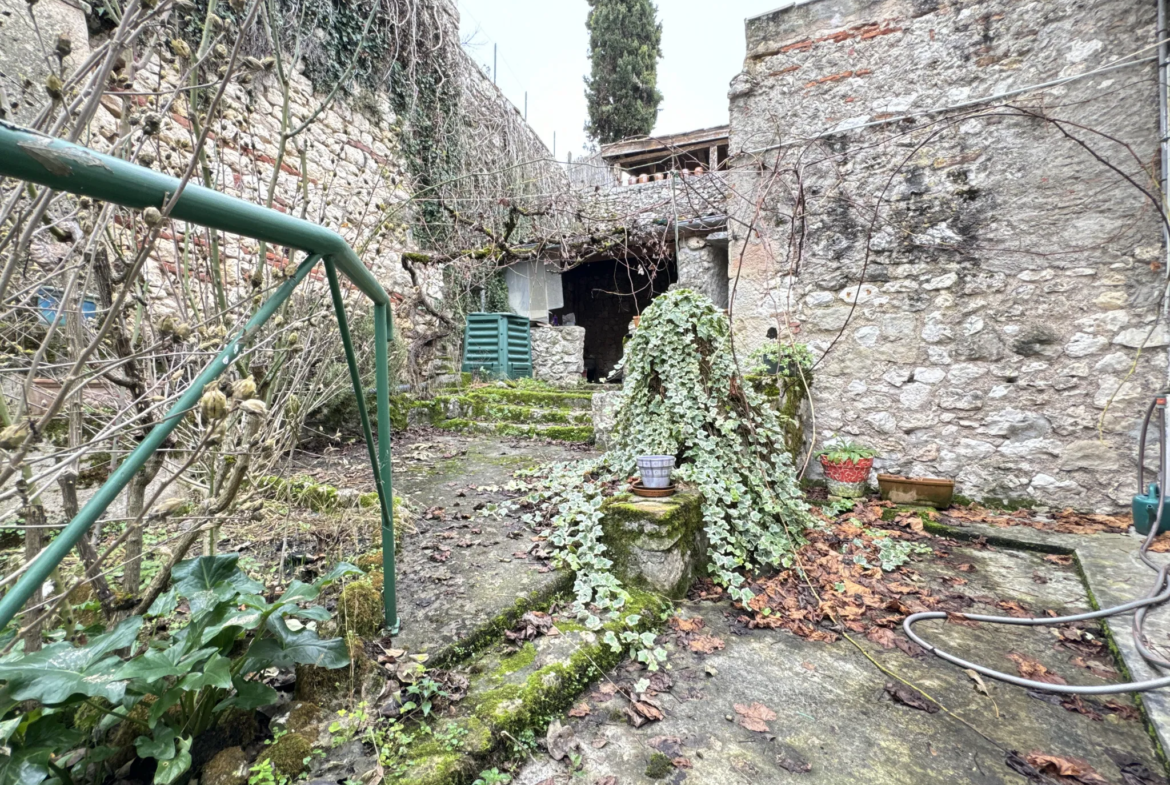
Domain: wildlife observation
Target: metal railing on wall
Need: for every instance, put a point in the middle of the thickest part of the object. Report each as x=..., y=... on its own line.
x=63, y=166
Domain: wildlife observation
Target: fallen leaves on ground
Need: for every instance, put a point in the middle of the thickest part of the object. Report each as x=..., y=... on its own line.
x=1031, y=669
x=754, y=717
x=531, y=626
x=693, y=624
x=705, y=644
x=643, y=711
x=883, y=636
x=793, y=766
x=848, y=586
x=908, y=697
x=980, y=687
x=1065, y=522
x=560, y=741
x=1071, y=769
x=670, y=746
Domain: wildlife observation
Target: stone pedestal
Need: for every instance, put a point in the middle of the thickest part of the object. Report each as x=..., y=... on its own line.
x=605, y=406
x=658, y=545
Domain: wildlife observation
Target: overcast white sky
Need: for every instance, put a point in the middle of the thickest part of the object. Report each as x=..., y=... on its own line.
x=543, y=49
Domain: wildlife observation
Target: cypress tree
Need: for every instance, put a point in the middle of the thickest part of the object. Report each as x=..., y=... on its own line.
x=625, y=43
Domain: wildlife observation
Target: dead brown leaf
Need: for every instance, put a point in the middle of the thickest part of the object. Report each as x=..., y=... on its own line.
x=1030, y=668
x=961, y=620
x=904, y=695
x=1074, y=769
x=641, y=712
x=1013, y=608
x=580, y=710
x=980, y=687
x=706, y=644
x=1122, y=710
x=531, y=626
x=882, y=636
x=693, y=624
x=755, y=717
x=670, y=746
x=793, y=766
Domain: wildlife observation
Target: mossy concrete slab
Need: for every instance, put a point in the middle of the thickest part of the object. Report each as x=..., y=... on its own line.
x=582, y=434
x=543, y=398
x=1113, y=575
x=514, y=689
x=833, y=713
x=462, y=580
x=473, y=407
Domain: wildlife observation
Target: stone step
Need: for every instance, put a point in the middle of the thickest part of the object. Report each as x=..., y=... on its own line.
x=513, y=690
x=477, y=408
x=515, y=687
x=581, y=434
x=1113, y=576
x=569, y=399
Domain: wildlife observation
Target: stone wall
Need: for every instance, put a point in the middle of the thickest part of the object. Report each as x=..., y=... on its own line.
x=684, y=198
x=348, y=170
x=984, y=283
x=558, y=354
x=702, y=266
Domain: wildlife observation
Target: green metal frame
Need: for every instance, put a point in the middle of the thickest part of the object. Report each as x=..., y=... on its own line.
x=62, y=166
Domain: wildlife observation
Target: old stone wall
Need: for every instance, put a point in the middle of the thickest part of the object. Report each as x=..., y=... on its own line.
x=702, y=266
x=977, y=262
x=558, y=354
x=349, y=169
x=661, y=201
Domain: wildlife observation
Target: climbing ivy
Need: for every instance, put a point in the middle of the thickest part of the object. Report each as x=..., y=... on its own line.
x=683, y=397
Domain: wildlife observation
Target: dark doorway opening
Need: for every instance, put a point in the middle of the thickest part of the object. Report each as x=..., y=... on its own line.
x=604, y=297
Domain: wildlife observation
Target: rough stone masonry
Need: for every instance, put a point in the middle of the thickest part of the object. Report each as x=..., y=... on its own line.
x=978, y=258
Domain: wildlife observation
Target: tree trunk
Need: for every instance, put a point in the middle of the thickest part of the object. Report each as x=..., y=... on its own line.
x=135, y=501
x=34, y=541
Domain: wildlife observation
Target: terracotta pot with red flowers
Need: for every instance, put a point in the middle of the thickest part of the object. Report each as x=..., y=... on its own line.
x=847, y=467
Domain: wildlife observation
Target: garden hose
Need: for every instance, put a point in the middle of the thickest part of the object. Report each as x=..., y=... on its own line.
x=1159, y=593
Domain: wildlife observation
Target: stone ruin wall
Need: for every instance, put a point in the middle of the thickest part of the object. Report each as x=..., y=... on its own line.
x=1010, y=279
x=558, y=354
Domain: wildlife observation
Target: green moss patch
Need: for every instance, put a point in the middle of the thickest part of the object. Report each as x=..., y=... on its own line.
x=359, y=609
x=551, y=400
x=290, y=754
x=516, y=691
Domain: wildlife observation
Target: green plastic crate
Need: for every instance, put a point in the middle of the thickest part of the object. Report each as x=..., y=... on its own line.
x=498, y=345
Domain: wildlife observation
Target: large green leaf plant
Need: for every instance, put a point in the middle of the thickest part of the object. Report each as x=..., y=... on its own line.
x=682, y=395
x=187, y=678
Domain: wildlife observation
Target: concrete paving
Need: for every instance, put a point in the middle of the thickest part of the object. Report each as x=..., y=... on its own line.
x=1113, y=575
x=830, y=717
x=457, y=575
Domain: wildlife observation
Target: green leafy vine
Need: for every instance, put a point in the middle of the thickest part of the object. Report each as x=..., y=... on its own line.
x=682, y=396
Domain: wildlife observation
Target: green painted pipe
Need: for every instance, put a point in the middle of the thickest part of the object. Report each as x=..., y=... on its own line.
x=385, y=497
x=36, y=575
x=382, y=370
x=63, y=166
x=60, y=165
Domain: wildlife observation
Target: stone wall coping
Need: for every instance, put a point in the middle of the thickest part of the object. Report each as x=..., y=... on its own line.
x=785, y=7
